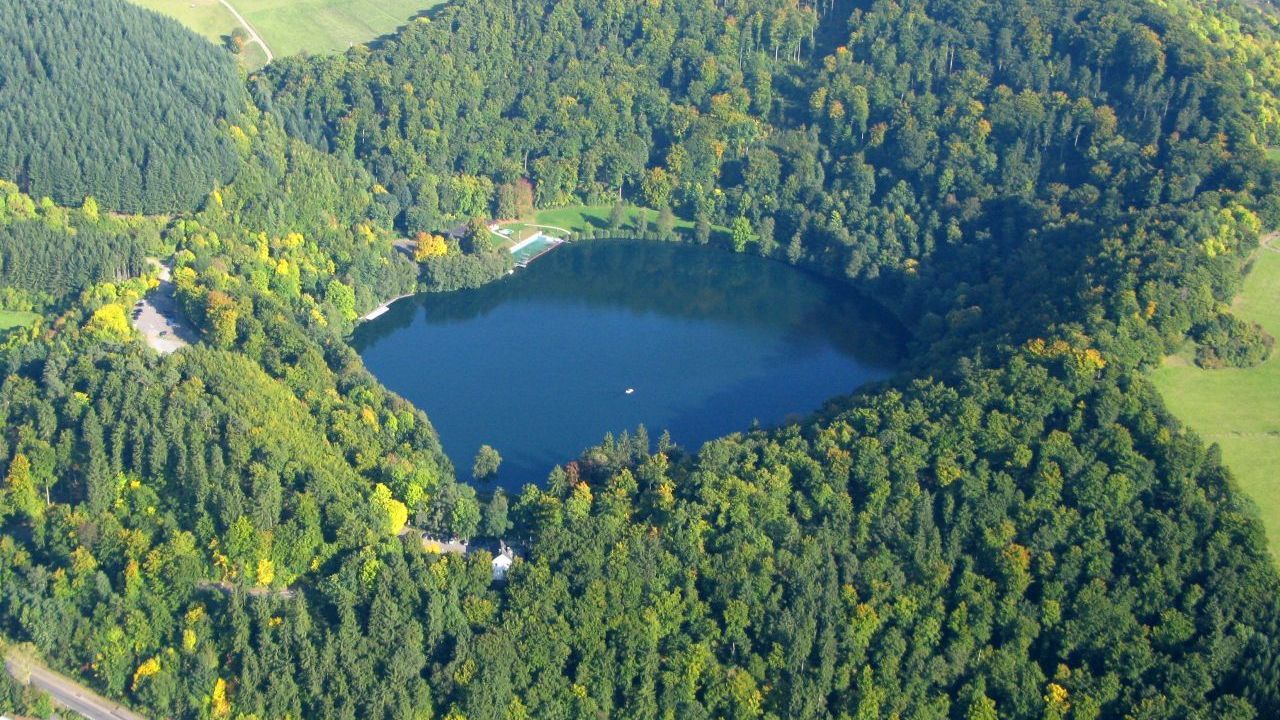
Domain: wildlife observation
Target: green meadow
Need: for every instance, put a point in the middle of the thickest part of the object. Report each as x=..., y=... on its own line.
x=15, y=318
x=290, y=27
x=1239, y=409
x=587, y=218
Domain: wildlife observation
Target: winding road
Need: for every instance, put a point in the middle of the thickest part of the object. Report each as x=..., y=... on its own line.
x=66, y=692
x=253, y=34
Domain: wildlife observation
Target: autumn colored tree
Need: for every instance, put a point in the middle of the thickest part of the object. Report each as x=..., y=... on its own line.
x=220, y=309
x=427, y=246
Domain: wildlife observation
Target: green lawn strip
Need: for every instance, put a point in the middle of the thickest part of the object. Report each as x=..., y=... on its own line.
x=595, y=218
x=211, y=19
x=1254, y=460
x=16, y=318
x=1239, y=408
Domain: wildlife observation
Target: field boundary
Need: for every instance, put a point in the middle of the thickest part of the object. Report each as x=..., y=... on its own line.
x=253, y=34
x=1236, y=408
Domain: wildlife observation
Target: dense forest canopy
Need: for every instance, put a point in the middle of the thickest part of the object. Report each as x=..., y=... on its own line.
x=48, y=252
x=1050, y=196
x=102, y=98
x=914, y=152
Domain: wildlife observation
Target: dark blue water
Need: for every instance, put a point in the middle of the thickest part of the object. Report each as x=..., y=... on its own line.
x=538, y=364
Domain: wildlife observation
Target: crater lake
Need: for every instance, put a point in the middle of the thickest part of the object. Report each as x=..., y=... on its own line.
x=604, y=336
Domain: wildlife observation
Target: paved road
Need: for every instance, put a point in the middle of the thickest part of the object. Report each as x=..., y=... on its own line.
x=67, y=692
x=253, y=34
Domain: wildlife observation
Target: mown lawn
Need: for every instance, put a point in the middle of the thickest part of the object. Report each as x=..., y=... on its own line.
x=583, y=218
x=1240, y=408
x=294, y=26
x=15, y=318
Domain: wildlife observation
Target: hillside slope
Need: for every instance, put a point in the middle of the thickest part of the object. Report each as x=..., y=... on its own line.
x=101, y=98
x=1051, y=195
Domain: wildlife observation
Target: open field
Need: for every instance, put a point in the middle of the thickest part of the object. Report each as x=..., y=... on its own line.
x=211, y=19
x=206, y=17
x=293, y=26
x=1274, y=153
x=1240, y=408
x=583, y=218
x=15, y=318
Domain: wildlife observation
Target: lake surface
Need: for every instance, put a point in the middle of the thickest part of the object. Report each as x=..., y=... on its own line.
x=539, y=364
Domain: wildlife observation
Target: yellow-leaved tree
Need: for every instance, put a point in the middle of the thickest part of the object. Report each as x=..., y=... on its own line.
x=111, y=322
x=223, y=318
x=266, y=571
x=429, y=246
x=219, y=705
x=22, y=488
x=145, y=670
x=395, y=512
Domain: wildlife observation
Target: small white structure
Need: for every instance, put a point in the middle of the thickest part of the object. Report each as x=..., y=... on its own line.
x=502, y=562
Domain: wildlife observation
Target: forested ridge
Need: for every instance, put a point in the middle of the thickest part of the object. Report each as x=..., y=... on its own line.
x=104, y=99
x=1049, y=196
x=922, y=152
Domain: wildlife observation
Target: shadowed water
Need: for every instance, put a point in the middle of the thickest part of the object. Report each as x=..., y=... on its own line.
x=538, y=365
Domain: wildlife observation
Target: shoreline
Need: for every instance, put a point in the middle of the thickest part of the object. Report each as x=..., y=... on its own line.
x=383, y=308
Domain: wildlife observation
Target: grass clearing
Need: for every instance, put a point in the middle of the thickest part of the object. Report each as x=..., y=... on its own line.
x=585, y=218
x=206, y=17
x=293, y=26
x=16, y=318
x=321, y=26
x=1274, y=154
x=1239, y=408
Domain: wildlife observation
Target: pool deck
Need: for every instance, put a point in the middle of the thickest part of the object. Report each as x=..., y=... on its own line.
x=551, y=241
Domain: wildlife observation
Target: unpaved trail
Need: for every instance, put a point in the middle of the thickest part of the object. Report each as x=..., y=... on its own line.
x=253, y=34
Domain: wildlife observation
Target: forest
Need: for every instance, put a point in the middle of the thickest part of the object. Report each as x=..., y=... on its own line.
x=101, y=98
x=1050, y=197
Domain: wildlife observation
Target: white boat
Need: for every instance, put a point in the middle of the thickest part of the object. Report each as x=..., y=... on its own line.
x=630, y=390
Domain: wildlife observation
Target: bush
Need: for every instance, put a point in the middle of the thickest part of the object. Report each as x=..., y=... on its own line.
x=1227, y=341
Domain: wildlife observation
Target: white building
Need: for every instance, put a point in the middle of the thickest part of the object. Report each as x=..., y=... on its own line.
x=502, y=562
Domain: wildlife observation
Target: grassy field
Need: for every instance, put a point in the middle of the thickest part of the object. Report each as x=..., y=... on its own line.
x=1274, y=153
x=15, y=318
x=293, y=26
x=1240, y=408
x=207, y=17
x=319, y=26
x=211, y=19
x=582, y=218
